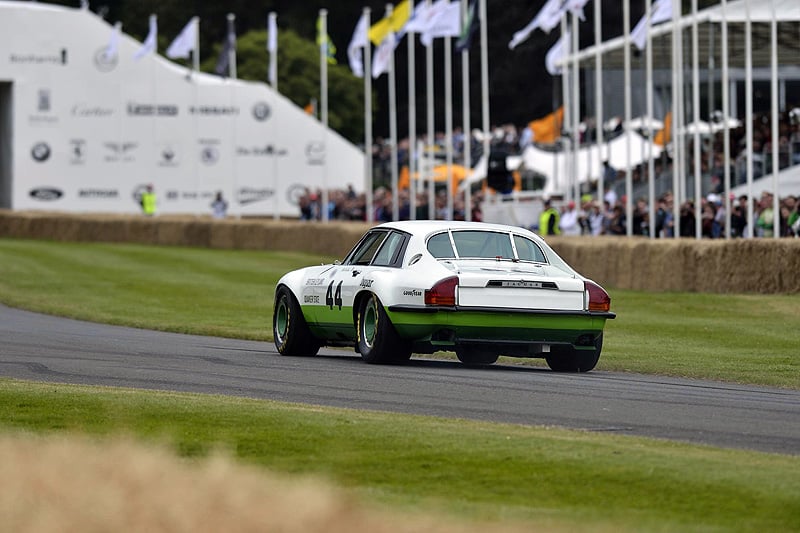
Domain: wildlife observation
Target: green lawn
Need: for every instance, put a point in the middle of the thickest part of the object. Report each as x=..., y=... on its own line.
x=499, y=472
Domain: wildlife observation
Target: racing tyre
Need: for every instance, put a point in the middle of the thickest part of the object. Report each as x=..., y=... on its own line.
x=378, y=341
x=571, y=360
x=292, y=336
x=472, y=356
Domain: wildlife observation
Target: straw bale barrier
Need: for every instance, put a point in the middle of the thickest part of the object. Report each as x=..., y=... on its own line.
x=765, y=266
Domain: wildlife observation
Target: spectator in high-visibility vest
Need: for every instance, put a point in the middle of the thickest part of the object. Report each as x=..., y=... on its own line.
x=549, y=220
x=148, y=201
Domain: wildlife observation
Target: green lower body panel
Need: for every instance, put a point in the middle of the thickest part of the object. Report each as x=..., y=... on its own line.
x=452, y=327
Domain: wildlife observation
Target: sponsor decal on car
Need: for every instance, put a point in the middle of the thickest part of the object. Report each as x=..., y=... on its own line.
x=82, y=110
x=311, y=299
x=314, y=282
x=366, y=283
x=412, y=292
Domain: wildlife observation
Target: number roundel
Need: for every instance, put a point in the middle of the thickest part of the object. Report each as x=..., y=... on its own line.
x=332, y=299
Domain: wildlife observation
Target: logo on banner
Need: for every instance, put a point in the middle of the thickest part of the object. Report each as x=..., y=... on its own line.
x=213, y=110
x=260, y=151
x=294, y=193
x=77, y=151
x=46, y=194
x=40, y=152
x=39, y=59
x=152, y=110
x=105, y=62
x=119, y=151
x=261, y=111
x=168, y=156
x=43, y=107
x=91, y=111
x=209, y=155
x=249, y=195
x=315, y=153
x=101, y=194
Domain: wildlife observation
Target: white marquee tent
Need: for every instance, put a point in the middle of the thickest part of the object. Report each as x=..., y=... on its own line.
x=83, y=130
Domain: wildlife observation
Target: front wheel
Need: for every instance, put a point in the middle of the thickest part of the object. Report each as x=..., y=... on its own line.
x=289, y=327
x=378, y=341
x=571, y=360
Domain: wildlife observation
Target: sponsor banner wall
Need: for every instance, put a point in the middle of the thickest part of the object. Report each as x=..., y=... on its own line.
x=91, y=130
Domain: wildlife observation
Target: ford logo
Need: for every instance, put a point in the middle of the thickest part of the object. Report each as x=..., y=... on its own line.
x=46, y=194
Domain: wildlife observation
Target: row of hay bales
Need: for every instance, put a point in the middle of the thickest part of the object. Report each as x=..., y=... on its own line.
x=765, y=266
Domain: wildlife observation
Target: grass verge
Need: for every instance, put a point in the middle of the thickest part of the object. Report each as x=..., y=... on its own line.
x=740, y=338
x=480, y=471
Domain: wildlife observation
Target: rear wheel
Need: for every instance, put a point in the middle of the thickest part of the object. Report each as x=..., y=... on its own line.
x=292, y=335
x=473, y=356
x=565, y=359
x=378, y=341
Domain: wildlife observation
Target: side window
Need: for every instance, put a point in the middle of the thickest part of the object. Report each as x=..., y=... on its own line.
x=527, y=250
x=363, y=253
x=439, y=246
x=387, y=255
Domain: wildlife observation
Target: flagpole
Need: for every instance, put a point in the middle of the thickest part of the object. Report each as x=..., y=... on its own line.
x=698, y=223
x=412, y=128
x=431, y=128
x=393, y=126
x=776, y=225
x=567, y=120
x=448, y=119
x=370, y=214
x=576, y=106
x=484, y=22
x=196, y=51
x=466, y=127
x=272, y=25
x=598, y=99
x=651, y=183
x=676, y=65
x=323, y=76
x=626, y=23
x=726, y=149
x=748, y=115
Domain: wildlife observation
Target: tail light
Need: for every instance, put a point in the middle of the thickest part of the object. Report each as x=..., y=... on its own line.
x=443, y=293
x=599, y=300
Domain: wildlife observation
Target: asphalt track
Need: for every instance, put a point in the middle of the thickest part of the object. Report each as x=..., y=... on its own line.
x=45, y=348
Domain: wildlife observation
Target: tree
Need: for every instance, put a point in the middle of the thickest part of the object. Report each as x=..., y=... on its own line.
x=298, y=77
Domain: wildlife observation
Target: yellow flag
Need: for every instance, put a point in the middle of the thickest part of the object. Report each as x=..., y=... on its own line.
x=392, y=23
x=325, y=40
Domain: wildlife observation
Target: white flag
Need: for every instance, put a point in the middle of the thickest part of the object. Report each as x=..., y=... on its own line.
x=383, y=55
x=184, y=42
x=357, y=43
x=661, y=11
x=420, y=18
x=557, y=53
x=149, y=44
x=547, y=18
x=576, y=7
x=113, y=42
x=445, y=23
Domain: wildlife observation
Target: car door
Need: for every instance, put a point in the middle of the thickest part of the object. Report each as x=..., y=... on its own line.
x=341, y=284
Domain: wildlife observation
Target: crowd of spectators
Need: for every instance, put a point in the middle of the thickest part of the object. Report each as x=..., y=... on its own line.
x=592, y=216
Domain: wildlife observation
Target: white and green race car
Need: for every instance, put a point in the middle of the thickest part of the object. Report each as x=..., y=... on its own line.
x=481, y=290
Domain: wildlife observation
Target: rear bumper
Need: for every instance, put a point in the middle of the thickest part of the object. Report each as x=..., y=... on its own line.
x=450, y=326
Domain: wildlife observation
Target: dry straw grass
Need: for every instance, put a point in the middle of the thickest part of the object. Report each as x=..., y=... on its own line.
x=765, y=266
x=71, y=484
